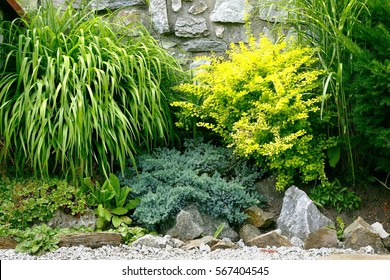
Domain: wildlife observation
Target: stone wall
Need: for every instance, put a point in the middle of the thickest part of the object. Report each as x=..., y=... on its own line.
x=188, y=28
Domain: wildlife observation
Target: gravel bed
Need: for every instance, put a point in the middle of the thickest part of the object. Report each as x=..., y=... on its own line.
x=124, y=252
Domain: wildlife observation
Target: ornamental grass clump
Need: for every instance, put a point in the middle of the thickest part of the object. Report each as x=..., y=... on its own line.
x=79, y=90
x=264, y=101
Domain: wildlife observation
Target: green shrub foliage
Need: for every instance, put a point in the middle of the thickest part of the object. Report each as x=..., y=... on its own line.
x=264, y=101
x=24, y=203
x=336, y=196
x=370, y=84
x=212, y=177
x=78, y=90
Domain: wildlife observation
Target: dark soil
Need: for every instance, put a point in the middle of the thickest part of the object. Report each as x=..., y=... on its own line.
x=375, y=205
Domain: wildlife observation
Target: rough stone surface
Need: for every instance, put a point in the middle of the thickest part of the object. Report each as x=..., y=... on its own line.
x=258, y=217
x=191, y=27
x=190, y=224
x=359, y=234
x=232, y=11
x=92, y=240
x=207, y=240
x=176, y=5
x=248, y=232
x=219, y=30
x=105, y=4
x=198, y=8
x=157, y=242
x=63, y=220
x=321, y=238
x=158, y=11
x=297, y=242
x=7, y=243
x=272, y=238
x=386, y=243
x=299, y=216
x=204, y=45
x=378, y=228
x=224, y=244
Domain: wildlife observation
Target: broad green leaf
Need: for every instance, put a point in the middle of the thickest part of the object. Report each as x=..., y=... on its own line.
x=333, y=155
x=132, y=204
x=119, y=211
x=116, y=221
x=127, y=220
x=100, y=223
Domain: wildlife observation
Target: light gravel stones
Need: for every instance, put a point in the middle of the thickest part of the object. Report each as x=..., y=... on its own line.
x=124, y=252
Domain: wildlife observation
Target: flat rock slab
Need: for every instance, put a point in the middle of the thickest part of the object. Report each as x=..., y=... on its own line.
x=7, y=243
x=92, y=240
x=355, y=257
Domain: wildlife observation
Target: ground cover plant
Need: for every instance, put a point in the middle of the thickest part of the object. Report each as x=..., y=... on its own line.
x=264, y=102
x=211, y=177
x=77, y=92
x=28, y=201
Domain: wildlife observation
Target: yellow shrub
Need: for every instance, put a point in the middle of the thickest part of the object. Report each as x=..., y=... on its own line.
x=263, y=100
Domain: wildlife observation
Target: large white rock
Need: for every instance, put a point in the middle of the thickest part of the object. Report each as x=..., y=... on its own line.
x=299, y=216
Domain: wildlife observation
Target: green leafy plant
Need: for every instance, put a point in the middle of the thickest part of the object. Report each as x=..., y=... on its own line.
x=369, y=83
x=130, y=234
x=340, y=227
x=37, y=240
x=111, y=200
x=168, y=180
x=25, y=202
x=80, y=91
x=264, y=101
x=336, y=196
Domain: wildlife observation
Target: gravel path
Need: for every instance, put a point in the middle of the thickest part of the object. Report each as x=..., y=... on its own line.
x=124, y=252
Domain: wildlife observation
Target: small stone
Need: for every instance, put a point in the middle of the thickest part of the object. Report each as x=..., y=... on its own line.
x=224, y=245
x=191, y=27
x=151, y=241
x=248, y=232
x=230, y=11
x=7, y=243
x=176, y=5
x=158, y=10
x=359, y=234
x=204, y=45
x=204, y=248
x=198, y=8
x=207, y=240
x=321, y=238
x=297, y=242
x=219, y=30
x=272, y=238
x=258, y=217
x=378, y=228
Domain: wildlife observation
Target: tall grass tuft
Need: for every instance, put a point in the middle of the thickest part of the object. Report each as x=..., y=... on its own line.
x=79, y=90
